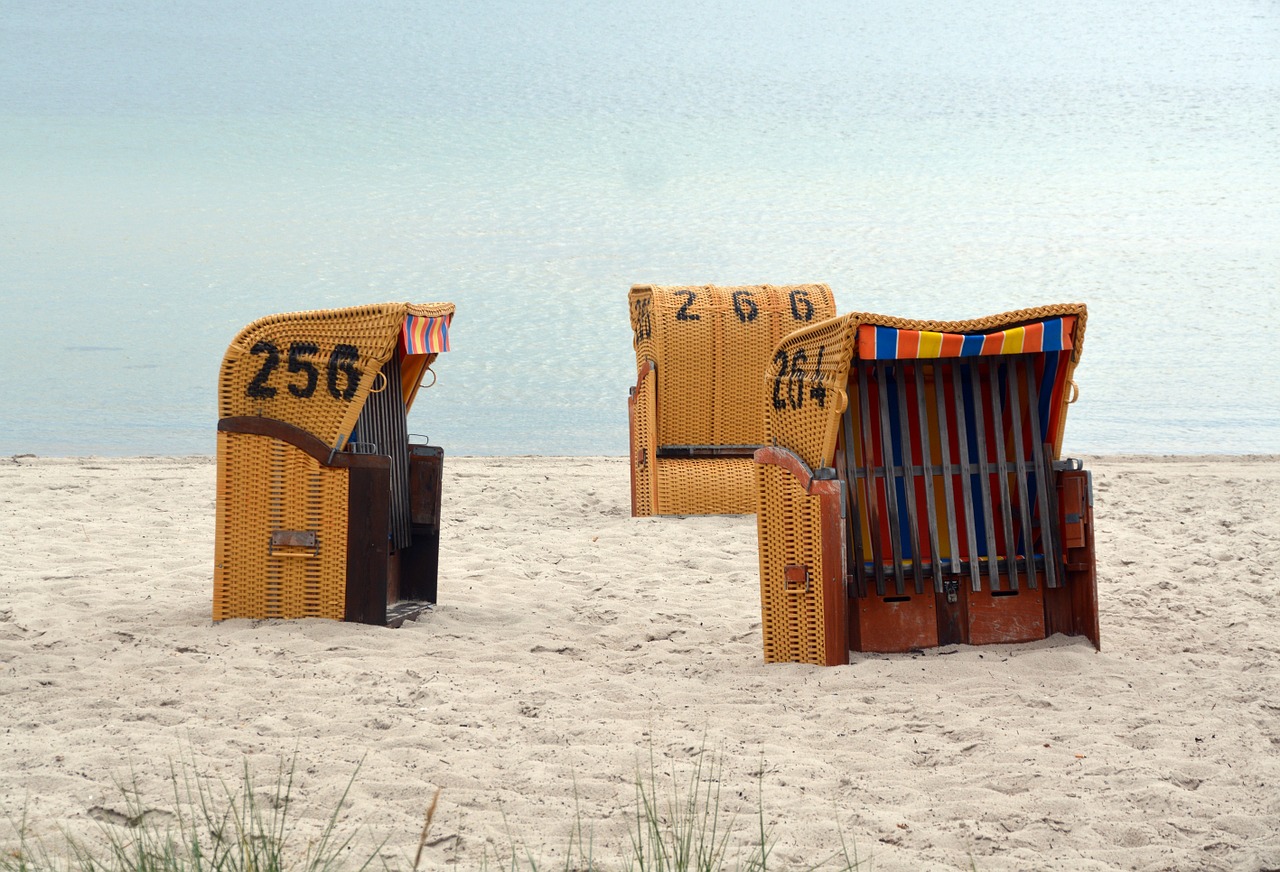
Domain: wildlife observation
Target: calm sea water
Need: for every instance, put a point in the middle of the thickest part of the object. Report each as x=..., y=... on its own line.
x=170, y=172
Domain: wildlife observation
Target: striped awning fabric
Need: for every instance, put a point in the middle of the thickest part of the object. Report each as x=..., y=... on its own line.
x=423, y=335
x=890, y=343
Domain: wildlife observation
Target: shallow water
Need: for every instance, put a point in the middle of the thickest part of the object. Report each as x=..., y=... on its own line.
x=171, y=173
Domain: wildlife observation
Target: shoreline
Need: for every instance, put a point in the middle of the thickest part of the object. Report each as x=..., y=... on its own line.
x=572, y=644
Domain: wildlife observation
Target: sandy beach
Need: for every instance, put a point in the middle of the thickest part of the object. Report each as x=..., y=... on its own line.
x=573, y=645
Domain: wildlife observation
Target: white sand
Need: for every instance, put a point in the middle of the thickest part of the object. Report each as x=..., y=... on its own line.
x=572, y=641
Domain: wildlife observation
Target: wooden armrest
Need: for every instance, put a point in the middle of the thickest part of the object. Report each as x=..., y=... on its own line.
x=302, y=440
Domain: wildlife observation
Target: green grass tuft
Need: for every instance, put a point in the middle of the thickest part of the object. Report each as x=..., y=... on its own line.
x=677, y=827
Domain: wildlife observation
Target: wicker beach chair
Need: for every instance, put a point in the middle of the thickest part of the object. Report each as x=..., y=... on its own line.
x=324, y=508
x=912, y=494
x=697, y=409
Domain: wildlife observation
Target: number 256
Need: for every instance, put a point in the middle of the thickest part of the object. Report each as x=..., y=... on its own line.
x=341, y=367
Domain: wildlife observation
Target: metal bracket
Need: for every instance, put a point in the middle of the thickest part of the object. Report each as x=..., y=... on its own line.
x=293, y=539
x=795, y=579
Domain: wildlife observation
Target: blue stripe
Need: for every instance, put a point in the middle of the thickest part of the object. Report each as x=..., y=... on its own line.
x=886, y=343
x=1053, y=335
x=972, y=346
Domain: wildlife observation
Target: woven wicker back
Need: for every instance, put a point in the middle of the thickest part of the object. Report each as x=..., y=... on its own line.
x=709, y=345
x=315, y=369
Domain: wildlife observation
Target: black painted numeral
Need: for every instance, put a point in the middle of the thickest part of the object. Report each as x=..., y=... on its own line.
x=791, y=370
x=744, y=306
x=818, y=391
x=644, y=322
x=258, y=387
x=781, y=360
x=297, y=352
x=801, y=305
x=683, y=313
x=343, y=361
x=795, y=381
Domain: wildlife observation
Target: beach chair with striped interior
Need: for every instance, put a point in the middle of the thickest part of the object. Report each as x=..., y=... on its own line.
x=913, y=495
x=696, y=411
x=324, y=508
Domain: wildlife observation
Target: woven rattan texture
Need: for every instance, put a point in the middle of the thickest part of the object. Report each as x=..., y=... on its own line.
x=797, y=420
x=789, y=533
x=264, y=486
x=708, y=345
x=644, y=446
x=313, y=369
x=805, y=383
x=705, y=486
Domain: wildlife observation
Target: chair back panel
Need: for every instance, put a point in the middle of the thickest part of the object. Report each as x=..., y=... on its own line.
x=709, y=345
x=315, y=369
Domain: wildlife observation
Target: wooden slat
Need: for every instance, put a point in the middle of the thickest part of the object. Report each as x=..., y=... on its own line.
x=926, y=459
x=854, y=477
x=984, y=476
x=890, y=484
x=1002, y=477
x=966, y=482
x=908, y=476
x=948, y=468
x=1046, y=489
x=383, y=422
x=873, y=497
x=1016, y=367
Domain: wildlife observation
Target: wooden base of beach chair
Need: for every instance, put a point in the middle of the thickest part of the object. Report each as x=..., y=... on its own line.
x=912, y=621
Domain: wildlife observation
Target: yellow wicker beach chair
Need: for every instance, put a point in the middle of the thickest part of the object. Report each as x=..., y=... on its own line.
x=912, y=493
x=697, y=409
x=324, y=509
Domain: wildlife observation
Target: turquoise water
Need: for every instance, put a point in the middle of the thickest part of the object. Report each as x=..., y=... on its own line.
x=170, y=172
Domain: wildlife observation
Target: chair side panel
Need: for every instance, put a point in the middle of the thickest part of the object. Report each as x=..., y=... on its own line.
x=642, y=410
x=266, y=487
x=803, y=389
x=802, y=592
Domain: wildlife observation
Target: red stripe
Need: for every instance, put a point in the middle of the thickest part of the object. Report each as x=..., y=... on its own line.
x=951, y=344
x=908, y=343
x=1033, y=337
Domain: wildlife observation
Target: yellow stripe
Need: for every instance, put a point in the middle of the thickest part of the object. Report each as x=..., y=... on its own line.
x=1013, y=340
x=930, y=344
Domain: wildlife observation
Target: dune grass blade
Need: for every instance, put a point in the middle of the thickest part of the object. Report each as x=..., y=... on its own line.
x=213, y=828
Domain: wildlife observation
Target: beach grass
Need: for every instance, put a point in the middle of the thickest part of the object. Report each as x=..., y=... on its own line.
x=219, y=827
